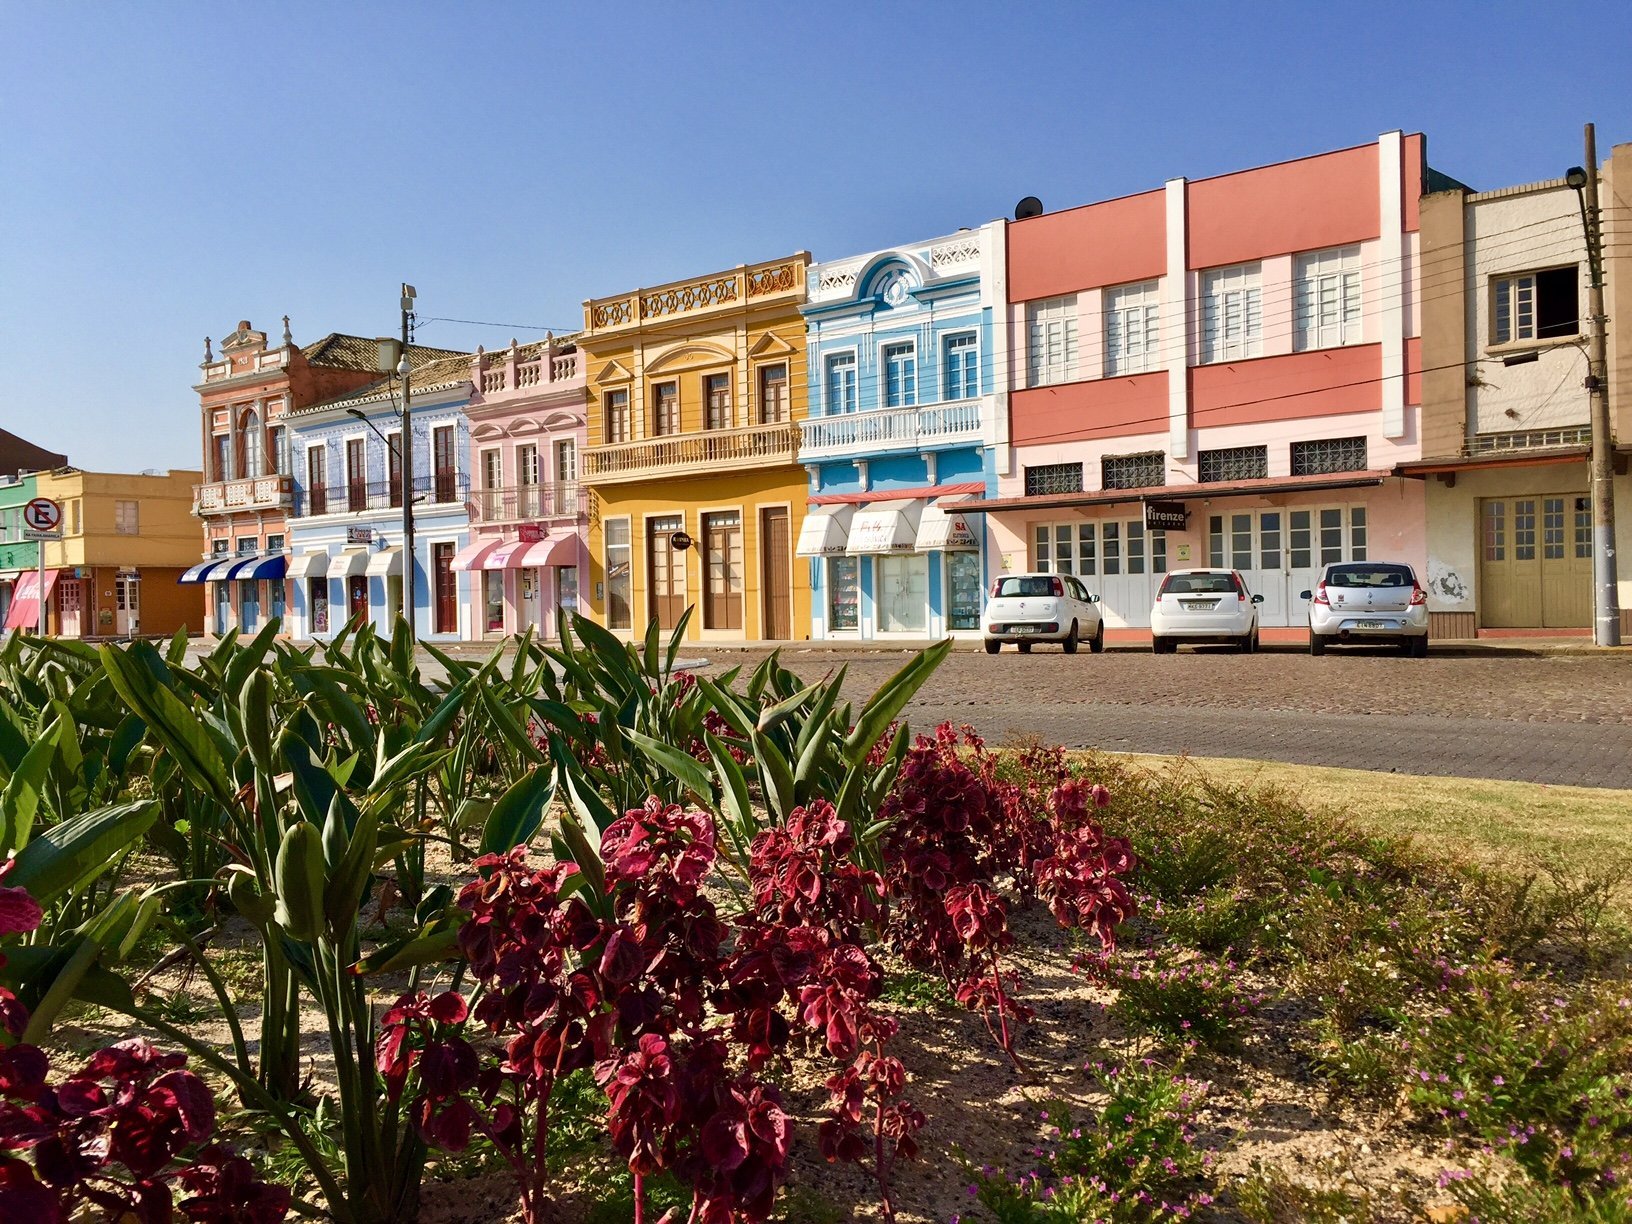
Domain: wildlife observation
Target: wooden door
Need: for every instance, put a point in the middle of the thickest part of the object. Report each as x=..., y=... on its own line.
x=1535, y=562
x=722, y=566
x=447, y=588
x=356, y=476
x=665, y=571
x=775, y=569
x=442, y=457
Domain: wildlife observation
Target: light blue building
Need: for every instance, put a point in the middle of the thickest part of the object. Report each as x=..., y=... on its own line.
x=345, y=527
x=908, y=416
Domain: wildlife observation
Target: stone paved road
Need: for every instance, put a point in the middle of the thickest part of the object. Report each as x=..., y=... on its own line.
x=1559, y=719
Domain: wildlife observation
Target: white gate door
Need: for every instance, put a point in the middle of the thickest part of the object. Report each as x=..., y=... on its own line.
x=1281, y=553
x=1118, y=560
x=127, y=599
x=532, y=600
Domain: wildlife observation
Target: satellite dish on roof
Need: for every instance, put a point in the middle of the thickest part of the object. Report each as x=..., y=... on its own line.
x=1031, y=206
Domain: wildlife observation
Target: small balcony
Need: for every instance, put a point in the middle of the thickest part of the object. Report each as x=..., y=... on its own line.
x=526, y=503
x=884, y=430
x=250, y=493
x=692, y=454
x=446, y=488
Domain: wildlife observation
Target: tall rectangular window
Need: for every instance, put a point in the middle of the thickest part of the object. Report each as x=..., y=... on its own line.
x=900, y=362
x=841, y=383
x=566, y=461
x=615, y=408
x=356, y=476
x=1232, y=321
x=443, y=464
x=1536, y=305
x=617, y=560
x=1132, y=328
x=722, y=575
x=223, y=457
x=125, y=518
x=393, y=467
x=278, y=440
x=1327, y=299
x=665, y=409
x=962, y=367
x=317, y=479
x=1051, y=341
x=717, y=401
x=773, y=393
x=527, y=493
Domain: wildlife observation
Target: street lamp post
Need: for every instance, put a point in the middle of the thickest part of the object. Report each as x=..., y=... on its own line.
x=407, y=473
x=1583, y=180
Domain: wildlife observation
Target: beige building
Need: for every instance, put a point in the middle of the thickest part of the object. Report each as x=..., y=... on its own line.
x=1506, y=433
x=126, y=540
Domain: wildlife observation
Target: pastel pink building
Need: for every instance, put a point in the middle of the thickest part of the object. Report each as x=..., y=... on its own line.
x=1239, y=352
x=527, y=509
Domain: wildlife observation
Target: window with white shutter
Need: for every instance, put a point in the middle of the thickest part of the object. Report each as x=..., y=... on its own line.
x=1132, y=328
x=1051, y=341
x=1327, y=306
x=1232, y=321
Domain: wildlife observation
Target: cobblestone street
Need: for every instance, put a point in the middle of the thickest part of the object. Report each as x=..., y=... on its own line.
x=1552, y=718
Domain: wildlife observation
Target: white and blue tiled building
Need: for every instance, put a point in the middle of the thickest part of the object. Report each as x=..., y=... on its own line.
x=345, y=553
x=908, y=417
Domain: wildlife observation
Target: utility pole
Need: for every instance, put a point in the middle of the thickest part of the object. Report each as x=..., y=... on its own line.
x=403, y=368
x=1606, y=605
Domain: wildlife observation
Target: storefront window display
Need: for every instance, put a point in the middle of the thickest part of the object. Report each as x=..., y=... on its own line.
x=844, y=592
x=963, y=590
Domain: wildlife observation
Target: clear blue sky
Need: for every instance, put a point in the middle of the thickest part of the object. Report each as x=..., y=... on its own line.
x=169, y=168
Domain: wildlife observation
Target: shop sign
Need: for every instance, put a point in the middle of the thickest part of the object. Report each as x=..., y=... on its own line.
x=1165, y=516
x=359, y=535
x=529, y=533
x=958, y=534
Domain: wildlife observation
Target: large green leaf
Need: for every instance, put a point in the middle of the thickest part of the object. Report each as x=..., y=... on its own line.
x=519, y=814
x=71, y=854
x=177, y=728
x=892, y=697
x=20, y=800
x=682, y=766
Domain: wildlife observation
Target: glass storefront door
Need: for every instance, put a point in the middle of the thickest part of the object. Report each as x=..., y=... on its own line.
x=902, y=598
x=962, y=590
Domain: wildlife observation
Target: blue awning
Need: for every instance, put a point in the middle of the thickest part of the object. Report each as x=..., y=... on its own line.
x=271, y=566
x=208, y=571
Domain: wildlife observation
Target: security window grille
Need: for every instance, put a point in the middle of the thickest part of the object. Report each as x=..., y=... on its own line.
x=1053, y=478
x=1536, y=305
x=962, y=367
x=1233, y=463
x=1327, y=307
x=1232, y=321
x=1051, y=341
x=1132, y=328
x=1142, y=471
x=1529, y=439
x=1328, y=455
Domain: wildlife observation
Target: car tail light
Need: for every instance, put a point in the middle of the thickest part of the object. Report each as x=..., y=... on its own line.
x=996, y=582
x=1057, y=586
x=1320, y=595
x=1240, y=587
x=1418, y=595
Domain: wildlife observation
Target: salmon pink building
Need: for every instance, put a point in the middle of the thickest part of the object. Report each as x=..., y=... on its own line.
x=527, y=509
x=1222, y=372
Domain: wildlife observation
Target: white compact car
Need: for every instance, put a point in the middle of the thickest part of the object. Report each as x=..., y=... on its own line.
x=1368, y=601
x=1027, y=608
x=1207, y=607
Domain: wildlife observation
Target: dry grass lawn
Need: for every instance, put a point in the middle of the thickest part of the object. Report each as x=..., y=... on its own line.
x=1505, y=824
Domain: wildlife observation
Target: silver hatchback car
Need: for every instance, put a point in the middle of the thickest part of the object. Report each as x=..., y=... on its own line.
x=1357, y=602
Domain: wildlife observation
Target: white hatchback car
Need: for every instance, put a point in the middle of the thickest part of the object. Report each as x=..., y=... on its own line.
x=1205, y=606
x=1368, y=601
x=1027, y=608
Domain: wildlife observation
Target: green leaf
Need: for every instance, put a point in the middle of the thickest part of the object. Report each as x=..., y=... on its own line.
x=682, y=766
x=580, y=794
x=892, y=697
x=20, y=801
x=71, y=854
x=425, y=949
x=572, y=843
x=519, y=814
x=776, y=778
x=177, y=727
x=509, y=727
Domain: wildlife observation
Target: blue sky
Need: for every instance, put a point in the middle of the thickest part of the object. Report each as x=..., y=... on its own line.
x=169, y=168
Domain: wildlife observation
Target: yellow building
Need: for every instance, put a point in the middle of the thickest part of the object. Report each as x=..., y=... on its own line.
x=126, y=539
x=696, y=391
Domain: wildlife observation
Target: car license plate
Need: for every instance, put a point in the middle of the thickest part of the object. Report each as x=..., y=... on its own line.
x=1023, y=628
x=1198, y=605
x=1371, y=624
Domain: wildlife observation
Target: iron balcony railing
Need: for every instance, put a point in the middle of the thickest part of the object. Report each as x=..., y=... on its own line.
x=356, y=497
x=524, y=503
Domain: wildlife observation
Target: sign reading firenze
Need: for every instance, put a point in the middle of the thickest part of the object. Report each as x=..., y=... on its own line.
x=1165, y=516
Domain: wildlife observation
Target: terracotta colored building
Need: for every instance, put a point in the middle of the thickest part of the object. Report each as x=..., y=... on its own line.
x=1242, y=350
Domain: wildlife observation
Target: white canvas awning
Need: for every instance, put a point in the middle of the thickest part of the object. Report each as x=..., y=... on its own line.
x=353, y=563
x=386, y=563
x=885, y=527
x=943, y=528
x=825, y=531
x=310, y=564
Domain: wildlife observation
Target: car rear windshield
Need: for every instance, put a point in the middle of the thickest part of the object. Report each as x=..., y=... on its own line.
x=1358, y=575
x=1198, y=584
x=1011, y=588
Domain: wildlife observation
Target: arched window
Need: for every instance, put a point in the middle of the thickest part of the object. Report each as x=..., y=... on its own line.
x=251, y=462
